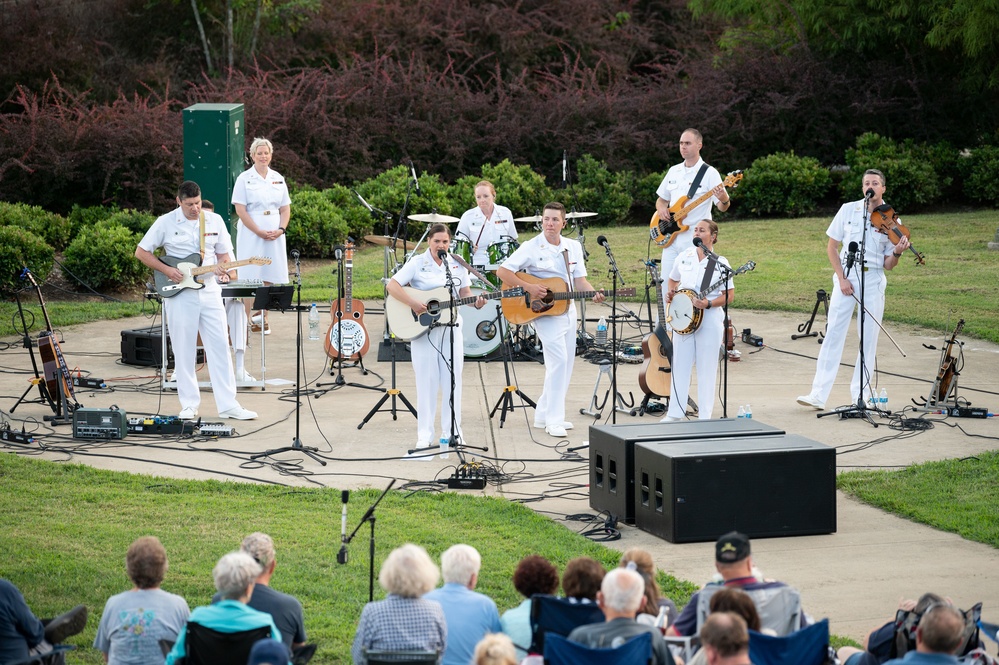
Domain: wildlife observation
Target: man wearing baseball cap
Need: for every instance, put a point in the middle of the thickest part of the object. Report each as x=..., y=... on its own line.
x=777, y=603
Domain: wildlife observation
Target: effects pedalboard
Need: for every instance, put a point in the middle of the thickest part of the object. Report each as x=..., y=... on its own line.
x=173, y=426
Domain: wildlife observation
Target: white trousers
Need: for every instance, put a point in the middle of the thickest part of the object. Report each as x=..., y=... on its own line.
x=701, y=348
x=432, y=365
x=188, y=313
x=665, y=268
x=841, y=309
x=558, y=347
x=235, y=314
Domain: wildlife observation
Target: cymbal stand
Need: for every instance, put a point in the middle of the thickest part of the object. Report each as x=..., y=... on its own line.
x=580, y=225
x=386, y=218
x=506, y=399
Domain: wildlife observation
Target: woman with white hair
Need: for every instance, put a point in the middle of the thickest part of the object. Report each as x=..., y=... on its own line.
x=235, y=575
x=404, y=621
x=260, y=196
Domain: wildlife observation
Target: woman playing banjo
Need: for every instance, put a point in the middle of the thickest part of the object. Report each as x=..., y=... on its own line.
x=698, y=343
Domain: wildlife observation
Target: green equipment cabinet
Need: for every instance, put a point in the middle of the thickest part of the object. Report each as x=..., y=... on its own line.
x=214, y=145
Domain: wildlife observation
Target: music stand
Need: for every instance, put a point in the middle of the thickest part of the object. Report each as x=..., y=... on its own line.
x=274, y=297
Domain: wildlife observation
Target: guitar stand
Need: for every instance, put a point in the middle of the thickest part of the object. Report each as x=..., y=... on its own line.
x=43, y=393
x=595, y=409
x=391, y=392
x=643, y=408
x=821, y=298
x=506, y=399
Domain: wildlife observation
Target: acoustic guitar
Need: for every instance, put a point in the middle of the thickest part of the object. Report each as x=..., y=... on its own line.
x=347, y=337
x=655, y=376
x=405, y=324
x=519, y=311
x=190, y=267
x=58, y=380
x=664, y=231
x=948, y=368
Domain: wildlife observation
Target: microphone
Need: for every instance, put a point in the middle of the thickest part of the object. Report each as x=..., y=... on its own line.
x=700, y=243
x=602, y=241
x=338, y=252
x=295, y=253
x=851, y=255
x=341, y=556
x=416, y=181
x=869, y=194
x=363, y=202
x=442, y=254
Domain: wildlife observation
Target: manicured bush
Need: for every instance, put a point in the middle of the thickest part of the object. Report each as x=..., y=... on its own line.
x=388, y=191
x=316, y=225
x=596, y=189
x=102, y=257
x=53, y=228
x=136, y=221
x=913, y=179
x=518, y=187
x=20, y=248
x=981, y=167
x=360, y=222
x=782, y=184
x=82, y=216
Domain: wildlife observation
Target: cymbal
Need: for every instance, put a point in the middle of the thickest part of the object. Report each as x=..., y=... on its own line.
x=532, y=218
x=434, y=218
x=386, y=241
x=578, y=215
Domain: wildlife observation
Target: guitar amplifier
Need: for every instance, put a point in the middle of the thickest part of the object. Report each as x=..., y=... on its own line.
x=99, y=424
x=142, y=347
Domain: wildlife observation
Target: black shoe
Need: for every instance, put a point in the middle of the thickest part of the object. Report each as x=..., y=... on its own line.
x=67, y=624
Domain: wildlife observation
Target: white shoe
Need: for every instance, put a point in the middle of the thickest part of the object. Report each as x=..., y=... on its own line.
x=188, y=413
x=809, y=400
x=256, y=318
x=670, y=419
x=556, y=431
x=238, y=413
x=244, y=376
x=566, y=425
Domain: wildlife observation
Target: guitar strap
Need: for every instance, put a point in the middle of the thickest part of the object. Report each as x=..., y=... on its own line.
x=709, y=273
x=201, y=219
x=697, y=181
x=479, y=237
x=473, y=271
x=568, y=272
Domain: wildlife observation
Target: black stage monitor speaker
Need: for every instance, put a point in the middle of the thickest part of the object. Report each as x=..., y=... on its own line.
x=143, y=347
x=612, y=455
x=766, y=486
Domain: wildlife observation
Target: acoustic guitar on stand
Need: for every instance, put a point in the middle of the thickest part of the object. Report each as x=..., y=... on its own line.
x=664, y=231
x=656, y=377
x=58, y=380
x=347, y=336
x=519, y=311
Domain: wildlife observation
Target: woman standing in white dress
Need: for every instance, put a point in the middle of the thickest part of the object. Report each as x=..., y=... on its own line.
x=261, y=199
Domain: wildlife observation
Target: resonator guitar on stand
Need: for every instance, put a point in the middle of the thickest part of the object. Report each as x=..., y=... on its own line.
x=347, y=337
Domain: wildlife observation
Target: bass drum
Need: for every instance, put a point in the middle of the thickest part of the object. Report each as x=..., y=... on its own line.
x=482, y=334
x=462, y=246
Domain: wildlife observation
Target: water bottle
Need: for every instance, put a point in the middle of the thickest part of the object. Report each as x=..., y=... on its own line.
x=662, y=620
x=883, y=399
x=742, y=412
x=313, y=322
x=601, y=331
x=445, y=446
x=749, y=412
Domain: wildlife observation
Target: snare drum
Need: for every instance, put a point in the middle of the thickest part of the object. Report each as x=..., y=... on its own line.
x=682, y=315
x=481, y=332
x=499, y=251
x=462, y=246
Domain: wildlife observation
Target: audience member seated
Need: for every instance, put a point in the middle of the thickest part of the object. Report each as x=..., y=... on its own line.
x=581, y=579
x=778, y=605
x=877, y=644
x=641, y=562
x=235, y=576
x=23, y=635
x=470, y=615
x=495, y=649
x=725, y=639
x=534, y=575
x=404, y=621
x=284, y=609
x=268, y=652
x=134, y=621
x=736, y=601
x=621, y=594
x=938, y=636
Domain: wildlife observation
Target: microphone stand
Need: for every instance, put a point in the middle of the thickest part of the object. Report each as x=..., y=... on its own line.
x=727, y=274
x=615, y=278
x=369, y=516
x=296, y=444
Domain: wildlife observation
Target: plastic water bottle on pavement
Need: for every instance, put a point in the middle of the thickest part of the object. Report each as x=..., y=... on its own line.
x=749, y=412
x=445, y=446
x=601, y=336
x=313, y=322
x=742, y=412
x=883, y=399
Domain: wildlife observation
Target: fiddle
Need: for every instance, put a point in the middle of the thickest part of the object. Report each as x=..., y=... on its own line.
x=886, y=221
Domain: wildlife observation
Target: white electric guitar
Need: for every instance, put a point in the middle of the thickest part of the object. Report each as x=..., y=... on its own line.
x=190, y=267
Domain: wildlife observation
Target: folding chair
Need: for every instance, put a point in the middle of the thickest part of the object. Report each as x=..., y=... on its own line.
x=560, y=651
x=559, y=616
x=779, y=607
x=808, y=646
x=411, y=657
x=55, y=657
x=206, y=646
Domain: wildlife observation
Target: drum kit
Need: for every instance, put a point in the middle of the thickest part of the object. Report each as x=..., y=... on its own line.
x=486, y=328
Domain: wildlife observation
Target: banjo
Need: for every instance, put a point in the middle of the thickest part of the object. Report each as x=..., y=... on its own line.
x=683, y=316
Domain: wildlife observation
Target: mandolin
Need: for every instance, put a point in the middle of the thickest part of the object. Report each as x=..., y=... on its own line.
x=664, y=231
x=347, y=336
x=655, y=376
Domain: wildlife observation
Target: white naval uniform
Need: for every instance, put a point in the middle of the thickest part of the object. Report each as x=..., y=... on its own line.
x=848, y=226
x=263, y=197
x=196, y=311
x=558, y=333
x=497, y=228
x=676, y=184
x=701, y=346
x=431, y=359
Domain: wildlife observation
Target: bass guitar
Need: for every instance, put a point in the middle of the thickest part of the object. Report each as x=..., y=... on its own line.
x=519, y=311
x=58, y=380
x=664, y=231
x=683, y=316
x=948, y=368
x=655, y=376
x=190, y=267
x=347, y=336
x=405, y=324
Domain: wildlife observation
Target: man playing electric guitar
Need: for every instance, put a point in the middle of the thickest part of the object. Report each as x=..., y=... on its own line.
x=679, y=183
x=182, y=232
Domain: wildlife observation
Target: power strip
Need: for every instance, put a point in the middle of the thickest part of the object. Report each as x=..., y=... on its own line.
x=16, y=437
x=967, y=412
x=216, y=429
x=88, y=382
